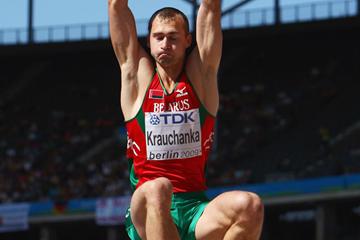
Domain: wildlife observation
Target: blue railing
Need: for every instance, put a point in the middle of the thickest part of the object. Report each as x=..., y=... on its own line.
x=237, y=19
x=334, y=184
x=319, y=11
x=291, y=14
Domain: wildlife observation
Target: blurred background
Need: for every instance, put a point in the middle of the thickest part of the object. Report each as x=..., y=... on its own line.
x=288, y=127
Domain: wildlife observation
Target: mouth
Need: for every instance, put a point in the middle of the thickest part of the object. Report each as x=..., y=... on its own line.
x=166, y=54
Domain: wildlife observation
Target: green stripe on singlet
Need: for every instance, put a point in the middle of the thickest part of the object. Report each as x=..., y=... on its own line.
x=203, y=114
x=140, y=118
x=133, y=179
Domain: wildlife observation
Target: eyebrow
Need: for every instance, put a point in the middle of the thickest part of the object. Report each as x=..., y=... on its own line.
x=162, y=33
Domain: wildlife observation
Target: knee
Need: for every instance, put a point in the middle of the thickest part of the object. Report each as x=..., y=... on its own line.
x=248, y=207
x=158, y=192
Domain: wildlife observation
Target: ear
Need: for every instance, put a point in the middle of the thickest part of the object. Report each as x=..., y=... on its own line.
x=188, y=40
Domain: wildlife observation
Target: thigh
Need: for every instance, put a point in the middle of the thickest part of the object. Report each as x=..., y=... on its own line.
x=137, y=213
x=155, y=193
x=219, y=215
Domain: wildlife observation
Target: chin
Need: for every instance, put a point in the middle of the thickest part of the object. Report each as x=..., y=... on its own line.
x=165, y=62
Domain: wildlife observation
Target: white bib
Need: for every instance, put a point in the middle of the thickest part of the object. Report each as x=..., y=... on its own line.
x=172, y=135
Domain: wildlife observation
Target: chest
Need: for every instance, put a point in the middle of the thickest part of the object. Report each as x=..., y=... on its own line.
x=181, y=99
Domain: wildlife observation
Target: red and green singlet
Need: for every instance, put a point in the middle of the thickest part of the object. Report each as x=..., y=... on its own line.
x=171, y=136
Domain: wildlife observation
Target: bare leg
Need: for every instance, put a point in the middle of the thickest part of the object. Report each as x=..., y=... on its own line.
x=232, y=215
x=150, y=211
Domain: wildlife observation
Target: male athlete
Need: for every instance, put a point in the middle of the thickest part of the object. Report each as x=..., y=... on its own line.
x=169, y=101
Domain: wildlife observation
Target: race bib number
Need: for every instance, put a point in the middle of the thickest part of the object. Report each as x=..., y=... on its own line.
x=172, y=135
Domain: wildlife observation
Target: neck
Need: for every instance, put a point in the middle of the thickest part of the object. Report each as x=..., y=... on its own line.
x=169, y=74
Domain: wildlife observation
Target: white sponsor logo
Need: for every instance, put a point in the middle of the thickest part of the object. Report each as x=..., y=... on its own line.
x=181, y=92
x=208, y=142
x=133, y=145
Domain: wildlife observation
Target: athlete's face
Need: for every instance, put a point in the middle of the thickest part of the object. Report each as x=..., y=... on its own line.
x=168, y=40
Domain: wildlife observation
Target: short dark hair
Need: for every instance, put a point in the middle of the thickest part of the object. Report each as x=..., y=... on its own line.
x=168, y=13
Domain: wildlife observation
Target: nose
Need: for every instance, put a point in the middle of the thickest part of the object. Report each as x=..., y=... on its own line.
x=165, y=44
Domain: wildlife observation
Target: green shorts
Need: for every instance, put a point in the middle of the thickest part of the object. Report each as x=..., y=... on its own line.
x=186, y=209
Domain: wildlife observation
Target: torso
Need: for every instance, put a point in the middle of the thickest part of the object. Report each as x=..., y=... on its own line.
x=170, y=136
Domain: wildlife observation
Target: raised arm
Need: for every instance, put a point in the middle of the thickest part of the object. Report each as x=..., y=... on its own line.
x=209, y=34
x=133, y=60
x=203, y=62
